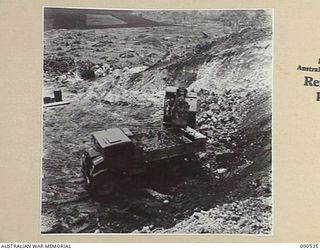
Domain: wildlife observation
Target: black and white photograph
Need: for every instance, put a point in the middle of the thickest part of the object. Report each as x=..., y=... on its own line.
x=157, y=121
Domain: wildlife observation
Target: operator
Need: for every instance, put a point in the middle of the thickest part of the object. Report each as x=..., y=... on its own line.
x=180, y=112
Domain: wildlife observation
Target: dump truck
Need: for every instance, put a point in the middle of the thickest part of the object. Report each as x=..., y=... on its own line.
x=117, y=153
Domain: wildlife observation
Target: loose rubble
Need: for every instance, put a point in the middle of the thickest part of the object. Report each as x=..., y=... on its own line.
x=251, y=216
x=156, y=139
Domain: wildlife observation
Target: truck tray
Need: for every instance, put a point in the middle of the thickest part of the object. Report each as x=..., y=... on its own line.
x=162, y=144
x=156, y=139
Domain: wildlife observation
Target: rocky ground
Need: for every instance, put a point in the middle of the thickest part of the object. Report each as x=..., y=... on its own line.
x=116, y=78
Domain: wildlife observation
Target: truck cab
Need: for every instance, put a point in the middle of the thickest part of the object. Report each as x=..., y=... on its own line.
x=112, y=151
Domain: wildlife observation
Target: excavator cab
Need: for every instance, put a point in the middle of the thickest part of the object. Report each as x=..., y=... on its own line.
x=180, y=108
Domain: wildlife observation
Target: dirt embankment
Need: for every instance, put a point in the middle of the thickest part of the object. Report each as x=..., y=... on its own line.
x=231, y=183
x=234, y=85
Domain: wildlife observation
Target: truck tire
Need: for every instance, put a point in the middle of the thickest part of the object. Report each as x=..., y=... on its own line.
x=103, y=185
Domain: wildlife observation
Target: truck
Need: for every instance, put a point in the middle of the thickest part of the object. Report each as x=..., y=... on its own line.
x=116, y=153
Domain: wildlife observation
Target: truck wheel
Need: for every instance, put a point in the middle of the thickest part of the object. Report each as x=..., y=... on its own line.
x=103, y=185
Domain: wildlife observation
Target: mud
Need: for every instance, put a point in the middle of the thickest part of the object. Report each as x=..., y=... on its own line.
x=232, y=76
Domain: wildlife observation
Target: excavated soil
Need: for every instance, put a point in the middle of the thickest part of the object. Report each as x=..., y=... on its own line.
x=157, y=139
x=226, y=189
